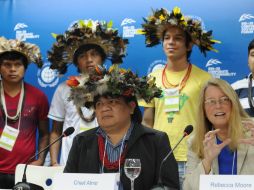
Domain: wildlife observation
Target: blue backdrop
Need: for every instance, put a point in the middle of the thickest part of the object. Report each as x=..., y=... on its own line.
x=232, y=22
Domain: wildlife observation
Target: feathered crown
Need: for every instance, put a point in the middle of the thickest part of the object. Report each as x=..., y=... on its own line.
x=116, y=81
x=156, y=24
x=86, y=32
x=30, y=51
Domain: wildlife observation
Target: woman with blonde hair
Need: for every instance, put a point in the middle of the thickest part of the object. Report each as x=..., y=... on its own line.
x=222, y=139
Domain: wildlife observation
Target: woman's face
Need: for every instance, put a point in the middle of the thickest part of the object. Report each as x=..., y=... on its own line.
x=217, y=107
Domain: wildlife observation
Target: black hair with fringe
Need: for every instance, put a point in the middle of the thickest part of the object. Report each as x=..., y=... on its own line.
x=14, y=55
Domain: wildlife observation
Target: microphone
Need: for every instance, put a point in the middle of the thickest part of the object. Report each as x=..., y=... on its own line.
x=188, y=129
x=24, y=185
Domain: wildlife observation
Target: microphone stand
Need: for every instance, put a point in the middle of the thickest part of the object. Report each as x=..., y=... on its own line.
x=24, y=185
x=160, y=185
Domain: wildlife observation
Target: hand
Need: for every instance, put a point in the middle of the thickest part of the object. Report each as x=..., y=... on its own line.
x=212, y=149
x=249, y=126
x=55, y=164
x=37, y=162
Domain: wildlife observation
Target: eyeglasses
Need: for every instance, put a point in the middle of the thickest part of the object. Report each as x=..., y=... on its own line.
x=109, y=102
x=222, y=101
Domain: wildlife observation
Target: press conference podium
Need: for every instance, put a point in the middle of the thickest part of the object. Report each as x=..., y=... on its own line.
x=39, y=175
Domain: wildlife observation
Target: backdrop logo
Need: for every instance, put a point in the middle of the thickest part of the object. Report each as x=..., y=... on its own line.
x=20, y=26
x=22, y=34
x=212, y=62
x=47, y=77
x=157, y=64
x=129, y=30
x=216, y=71
x=247, y=24
x=127, y=21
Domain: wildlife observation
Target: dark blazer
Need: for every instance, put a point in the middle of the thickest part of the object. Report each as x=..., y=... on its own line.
x=147, y=144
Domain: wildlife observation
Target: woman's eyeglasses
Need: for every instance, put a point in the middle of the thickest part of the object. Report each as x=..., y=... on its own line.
x=222, y=101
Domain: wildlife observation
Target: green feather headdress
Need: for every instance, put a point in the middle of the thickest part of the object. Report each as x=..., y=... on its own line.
x=155, y=25
x=86, y=32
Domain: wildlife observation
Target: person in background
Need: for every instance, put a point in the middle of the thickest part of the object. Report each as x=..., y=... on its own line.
x=24, y=110
x=224, y=136
x=120, y=134
x=86, y=44
x=244, y=88
x=180, y=80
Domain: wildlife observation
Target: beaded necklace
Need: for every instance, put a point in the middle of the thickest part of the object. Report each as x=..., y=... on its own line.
x=104, y=157
x=180, y=85
x=20, y=103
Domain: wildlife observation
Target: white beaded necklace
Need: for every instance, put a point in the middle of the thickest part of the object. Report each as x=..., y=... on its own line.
x=21, y=98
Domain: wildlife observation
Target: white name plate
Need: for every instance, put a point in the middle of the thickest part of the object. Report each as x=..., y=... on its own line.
x=80, y=181
x=226, y=182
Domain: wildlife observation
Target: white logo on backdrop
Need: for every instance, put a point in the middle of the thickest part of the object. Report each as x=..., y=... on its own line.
x=247, y=24
x=155, y=65
x=129, y=29
x=127, y=21
x=216, y=71
x=47, y=77
x=245, y=17
x=20, y=26
x=22, y=34
x=213, y=62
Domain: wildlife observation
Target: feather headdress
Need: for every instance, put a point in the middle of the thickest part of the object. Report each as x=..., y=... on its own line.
x=86, y=32
x=30, y=51
x=116, y=81
x=156, y=24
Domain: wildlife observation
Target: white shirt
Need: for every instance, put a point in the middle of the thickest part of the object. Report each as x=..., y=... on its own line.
x=63, y=110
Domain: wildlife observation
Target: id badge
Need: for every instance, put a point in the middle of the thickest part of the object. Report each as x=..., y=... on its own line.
x=8, y=138
x=171, y=100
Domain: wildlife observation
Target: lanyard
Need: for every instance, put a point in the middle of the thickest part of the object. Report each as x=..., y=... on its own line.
x=233, y=165
x=119, y=158
x=21, y=99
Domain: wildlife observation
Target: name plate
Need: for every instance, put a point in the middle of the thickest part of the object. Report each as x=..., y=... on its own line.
x=226, y=182
x=80, y=181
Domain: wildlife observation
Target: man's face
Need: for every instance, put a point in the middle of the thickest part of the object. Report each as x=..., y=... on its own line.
x=12, y=70
x=174, y=43
x=251, y=60
x=113, y=113
x=88, y=60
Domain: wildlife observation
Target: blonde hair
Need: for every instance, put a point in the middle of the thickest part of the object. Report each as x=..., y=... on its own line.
x=237, y=115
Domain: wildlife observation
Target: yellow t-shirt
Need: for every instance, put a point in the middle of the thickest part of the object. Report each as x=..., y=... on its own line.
x=174, y=123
